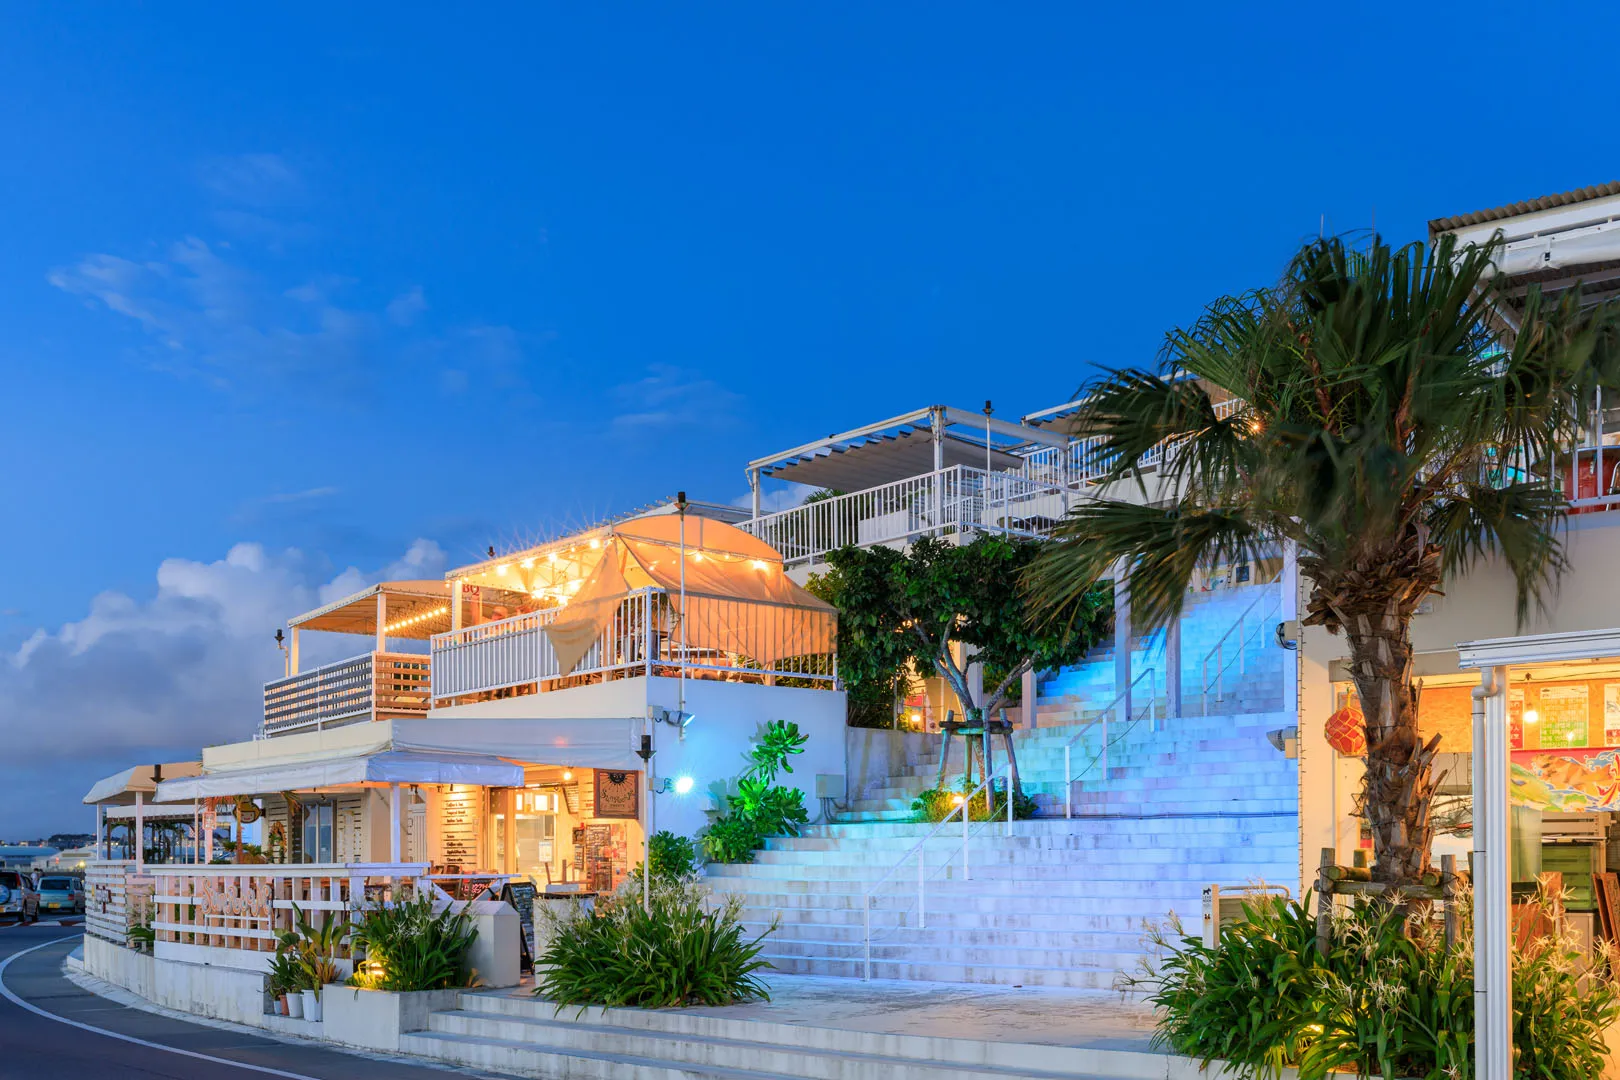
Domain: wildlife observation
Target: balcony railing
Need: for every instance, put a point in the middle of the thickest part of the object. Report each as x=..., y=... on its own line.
x=642, y=638
x=370, y=687
x=940, y=503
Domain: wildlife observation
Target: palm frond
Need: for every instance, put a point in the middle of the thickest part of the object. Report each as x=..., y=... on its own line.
x=1520, y=524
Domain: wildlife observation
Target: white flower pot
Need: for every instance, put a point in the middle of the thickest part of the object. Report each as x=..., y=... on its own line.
x=295, y=1005
x=312, y=1004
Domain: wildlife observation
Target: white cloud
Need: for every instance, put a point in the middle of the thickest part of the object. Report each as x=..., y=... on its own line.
x=253, y=179
x=670, y=397
x=156, y=678
x=405, y=307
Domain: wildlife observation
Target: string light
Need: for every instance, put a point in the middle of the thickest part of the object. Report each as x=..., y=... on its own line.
x=595, y=543
x=527, y=564
x=436, y=613
x=500, y=571
x=759, y=564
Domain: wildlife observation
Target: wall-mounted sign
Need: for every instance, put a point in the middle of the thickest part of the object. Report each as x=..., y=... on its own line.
x=246, y=811
x=618, y=794
x=1568, y=781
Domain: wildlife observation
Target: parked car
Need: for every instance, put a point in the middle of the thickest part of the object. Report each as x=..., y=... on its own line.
x=18, y=897
x=61, y=892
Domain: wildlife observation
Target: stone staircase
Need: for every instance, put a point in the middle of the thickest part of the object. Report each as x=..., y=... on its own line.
x=1057, y=903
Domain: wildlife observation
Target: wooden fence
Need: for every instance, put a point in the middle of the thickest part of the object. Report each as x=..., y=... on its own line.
x=116, y=898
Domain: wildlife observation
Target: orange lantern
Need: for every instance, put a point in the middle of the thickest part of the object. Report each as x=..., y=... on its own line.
x=1347, y=732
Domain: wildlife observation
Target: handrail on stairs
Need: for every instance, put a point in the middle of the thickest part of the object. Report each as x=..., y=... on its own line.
x=1218, y=652
x=920, y=849
x=1068, y=769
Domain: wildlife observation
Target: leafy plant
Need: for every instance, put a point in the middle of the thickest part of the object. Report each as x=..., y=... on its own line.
x=672, y=856
x=1387, y=1001
x=682, y=950
x=937, y=804
x=758, y=807
x=408, y=946
x=285, y=974
x=317, y=947
x=141, y=936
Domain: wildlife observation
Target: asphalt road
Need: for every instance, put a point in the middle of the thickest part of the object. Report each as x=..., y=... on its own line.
x=81, y=1036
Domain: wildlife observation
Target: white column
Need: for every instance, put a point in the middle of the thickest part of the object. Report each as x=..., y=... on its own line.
x=455, y=605
x=1122, y=640
x=393, y=821
x=208, y=833
x=936, y=433
x=753, y=487
x=1289, y=612
x=101, y=832
x=382, y=622
x=292, y=651
x=1030, y=690
x=509, y=863
x=140, y=833
x=1493, y=1002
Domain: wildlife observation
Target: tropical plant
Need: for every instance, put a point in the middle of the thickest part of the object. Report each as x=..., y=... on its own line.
x=898, y=608
x=410, y=946
x=759, y=807
x=1384, y=1001
x=937, y=804
x=679, y=950
x=141, y=936
x=1369, y=409
x=318, y=947
x=285, y=974
x=672, y=856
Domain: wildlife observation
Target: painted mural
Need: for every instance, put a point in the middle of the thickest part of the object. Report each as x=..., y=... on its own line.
x=1567, y=781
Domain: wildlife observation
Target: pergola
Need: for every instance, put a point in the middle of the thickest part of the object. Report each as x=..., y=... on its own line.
x=389, y=609
x=135, y=788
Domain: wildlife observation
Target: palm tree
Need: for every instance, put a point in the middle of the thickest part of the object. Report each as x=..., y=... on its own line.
x=1388, y=424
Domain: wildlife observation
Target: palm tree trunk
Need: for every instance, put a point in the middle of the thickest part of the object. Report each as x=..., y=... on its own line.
x=1399, y=784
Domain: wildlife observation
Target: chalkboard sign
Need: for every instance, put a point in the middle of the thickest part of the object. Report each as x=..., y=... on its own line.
x=520, y=894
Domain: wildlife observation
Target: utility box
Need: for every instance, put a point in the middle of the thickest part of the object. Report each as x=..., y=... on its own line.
x=1223, y=905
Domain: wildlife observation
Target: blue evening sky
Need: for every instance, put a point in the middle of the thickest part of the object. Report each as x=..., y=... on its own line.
x=291, y=289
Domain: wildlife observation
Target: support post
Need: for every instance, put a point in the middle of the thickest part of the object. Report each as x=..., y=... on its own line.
x=936, y=434
x=455, y=605
x=509, y=863
x=753, y=487
x=1172, y=669
x=382, y=621
x=292, y=651
x=1493, y=1003
x=1324, y=904
x=140, y=833
x=1122, y=641
x=101, y=832
x=393, y=821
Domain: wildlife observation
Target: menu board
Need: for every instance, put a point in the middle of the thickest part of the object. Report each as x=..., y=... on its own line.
x=1516, y=719
x=600, y=856
x=520, y=894
x=458, y=828
x=617, y=794
x=1563, y=716
x=1611, y=717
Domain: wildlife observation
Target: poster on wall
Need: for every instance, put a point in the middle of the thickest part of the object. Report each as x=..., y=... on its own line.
x=1611, y=714
x=1567, y=781
x=1516, y=719
x=617, y=794
x=1563, y=716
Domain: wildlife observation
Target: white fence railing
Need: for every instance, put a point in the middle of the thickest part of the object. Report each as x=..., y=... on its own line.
x=247, y=908
x=115, y=899
x=360, y=688
x=946, y=502
x=642, y=638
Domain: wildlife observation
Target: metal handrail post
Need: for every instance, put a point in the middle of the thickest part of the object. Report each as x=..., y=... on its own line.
x=922, y=910
x=989, y=791
x=1068, y=785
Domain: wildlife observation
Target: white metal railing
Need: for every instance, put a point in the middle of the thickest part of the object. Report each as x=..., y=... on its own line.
x=919, y=849
x=1228, y=651
x=956, y=499
x=1086, y=461
x=115, y=899
x=643, y=637
x=365, y=687
x=1069, y=776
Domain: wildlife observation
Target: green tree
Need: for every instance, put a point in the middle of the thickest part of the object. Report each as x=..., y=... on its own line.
x=906, y=608
x=1386, y=425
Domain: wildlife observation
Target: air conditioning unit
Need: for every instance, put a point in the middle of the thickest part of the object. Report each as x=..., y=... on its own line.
x=1223, y=904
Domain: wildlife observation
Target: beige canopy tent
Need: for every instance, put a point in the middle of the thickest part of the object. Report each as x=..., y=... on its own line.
x=734, y=596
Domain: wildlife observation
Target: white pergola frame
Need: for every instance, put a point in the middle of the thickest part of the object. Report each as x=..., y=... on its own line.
x=1493, y=985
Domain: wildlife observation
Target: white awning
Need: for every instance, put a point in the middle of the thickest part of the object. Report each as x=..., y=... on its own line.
x=595, y=742
x=121, y=787
x=391, y=767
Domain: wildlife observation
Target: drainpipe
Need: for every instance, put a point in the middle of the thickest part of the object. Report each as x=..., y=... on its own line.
x=1493, y=1003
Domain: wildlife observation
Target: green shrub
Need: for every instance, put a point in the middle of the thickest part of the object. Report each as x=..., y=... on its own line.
x=671, y=856
x=410, y=947
x=679, y=952
x=759, y=807
x=1389, y=1000
x=936, y=804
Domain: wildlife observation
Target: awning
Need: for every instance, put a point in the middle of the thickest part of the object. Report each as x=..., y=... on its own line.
x=390, y=767
x=594, y=742
x=121, y=787
x=884, y=459
x=414, y=609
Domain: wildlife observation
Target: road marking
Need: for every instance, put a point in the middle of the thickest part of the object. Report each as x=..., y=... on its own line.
x=6, y=992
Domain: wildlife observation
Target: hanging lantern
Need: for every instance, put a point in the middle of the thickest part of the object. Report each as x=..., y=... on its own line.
x=1347, y=732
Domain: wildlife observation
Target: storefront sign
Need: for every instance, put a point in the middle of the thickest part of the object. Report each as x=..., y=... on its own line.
x=618, y=794
x=1611, y=714
x=1563, y=716
x=1567, y=781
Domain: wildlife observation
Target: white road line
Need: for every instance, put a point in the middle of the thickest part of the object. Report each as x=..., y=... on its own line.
x=5, y=991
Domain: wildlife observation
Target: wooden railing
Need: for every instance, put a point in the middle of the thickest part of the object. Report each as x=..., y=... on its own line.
x=369, y=687
x=115, y=899
x=247, y=908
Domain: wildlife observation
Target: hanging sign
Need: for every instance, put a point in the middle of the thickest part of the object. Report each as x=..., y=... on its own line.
x=246, y=811
x=1567, y=781
x=618, y=794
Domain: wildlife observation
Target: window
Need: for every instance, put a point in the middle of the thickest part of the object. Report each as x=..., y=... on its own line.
x=318, y=833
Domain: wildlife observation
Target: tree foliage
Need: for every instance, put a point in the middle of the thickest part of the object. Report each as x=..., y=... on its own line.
x=1370, y=409
x=900, y=608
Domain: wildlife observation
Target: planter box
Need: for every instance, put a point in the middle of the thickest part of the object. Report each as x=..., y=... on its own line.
x=375, y=1019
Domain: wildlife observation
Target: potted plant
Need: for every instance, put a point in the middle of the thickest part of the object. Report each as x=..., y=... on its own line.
x=317, y=951
x=285, y=976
